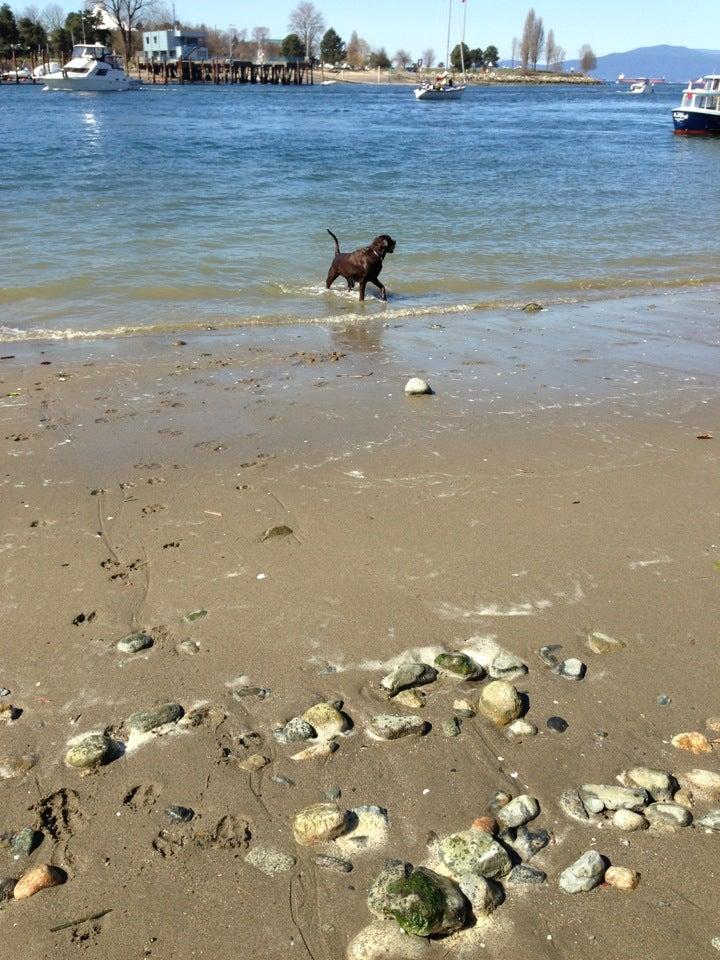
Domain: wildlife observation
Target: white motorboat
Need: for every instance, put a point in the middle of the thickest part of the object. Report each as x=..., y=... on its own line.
x=41, y=71
x=442, y=89
x=642, y=87
x=94, y=69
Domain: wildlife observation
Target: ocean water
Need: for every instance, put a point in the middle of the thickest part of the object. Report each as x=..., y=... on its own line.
x=186, y=207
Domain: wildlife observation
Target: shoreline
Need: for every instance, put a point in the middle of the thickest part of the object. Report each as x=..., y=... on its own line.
x=554, y=485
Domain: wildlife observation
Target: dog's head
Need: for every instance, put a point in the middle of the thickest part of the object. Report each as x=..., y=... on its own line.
x=383, y=244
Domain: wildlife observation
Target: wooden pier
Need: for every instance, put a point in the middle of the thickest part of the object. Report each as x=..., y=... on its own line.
x=282, y=73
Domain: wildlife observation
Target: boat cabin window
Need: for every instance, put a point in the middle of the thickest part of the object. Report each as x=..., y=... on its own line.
x=88, y=50
x=101, y=71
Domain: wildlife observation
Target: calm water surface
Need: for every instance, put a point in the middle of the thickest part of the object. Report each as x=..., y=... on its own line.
x=187, y=206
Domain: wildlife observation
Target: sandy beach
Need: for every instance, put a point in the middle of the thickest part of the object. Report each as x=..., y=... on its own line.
x=553, y=486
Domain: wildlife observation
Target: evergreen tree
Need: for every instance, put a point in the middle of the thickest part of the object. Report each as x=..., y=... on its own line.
x=332, y=48
x=292, y=47
x=8, y=29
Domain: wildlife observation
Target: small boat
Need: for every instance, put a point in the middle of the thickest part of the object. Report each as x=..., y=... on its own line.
x=444, y=87
x=41, y=71
x=699, y=111
x=92, y=68
x=642, y=87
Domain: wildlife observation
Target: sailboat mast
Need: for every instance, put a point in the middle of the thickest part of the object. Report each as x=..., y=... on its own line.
x=447, y=52
x=462, y=42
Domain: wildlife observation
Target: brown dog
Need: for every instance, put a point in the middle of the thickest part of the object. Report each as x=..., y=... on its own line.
x=362, y=266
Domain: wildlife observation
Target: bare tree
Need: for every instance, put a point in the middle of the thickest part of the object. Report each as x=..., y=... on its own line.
x=526, y=40
x=52, y=17
x=128, y=15
x=308, y=23
x=402, y=58
x=428, y=57
x=558, y=59
x=260, y=37
x=588, y=60
x=550, y=48
x=514, y=48
x=538, y=38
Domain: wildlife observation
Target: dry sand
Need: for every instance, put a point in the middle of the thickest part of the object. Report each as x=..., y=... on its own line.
x=552, y=486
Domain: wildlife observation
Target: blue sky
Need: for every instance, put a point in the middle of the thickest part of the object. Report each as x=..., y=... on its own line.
x=610, y=26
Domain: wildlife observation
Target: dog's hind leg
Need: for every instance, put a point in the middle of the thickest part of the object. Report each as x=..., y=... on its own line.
x=333, y=274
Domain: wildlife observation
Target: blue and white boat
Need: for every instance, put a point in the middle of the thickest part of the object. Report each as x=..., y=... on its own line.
x=699, y=113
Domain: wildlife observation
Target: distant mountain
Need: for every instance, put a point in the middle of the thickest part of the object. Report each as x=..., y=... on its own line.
x=678, y=64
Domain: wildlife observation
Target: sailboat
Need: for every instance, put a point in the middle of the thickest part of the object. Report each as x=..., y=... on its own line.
x=444, y=87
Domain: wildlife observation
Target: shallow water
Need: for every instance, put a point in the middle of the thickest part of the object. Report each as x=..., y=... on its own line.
x=186, y=207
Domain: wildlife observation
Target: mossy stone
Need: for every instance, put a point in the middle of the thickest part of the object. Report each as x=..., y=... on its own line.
x=424, y=903
x=458, y=664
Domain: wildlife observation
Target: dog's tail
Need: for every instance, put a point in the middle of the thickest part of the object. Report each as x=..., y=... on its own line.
x=337, y=245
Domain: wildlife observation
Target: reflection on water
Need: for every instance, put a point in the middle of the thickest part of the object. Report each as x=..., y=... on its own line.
x=202, y=205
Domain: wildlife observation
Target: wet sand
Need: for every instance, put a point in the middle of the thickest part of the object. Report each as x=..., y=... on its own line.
x=552, y=486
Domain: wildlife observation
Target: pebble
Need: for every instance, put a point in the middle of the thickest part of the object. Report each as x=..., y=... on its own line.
x=270, y=861
x=254, y=763
x=668, y=817
x=282, y=780
x=316, y=751
x=244, y=693
x=711, y=821
x=532, y=308
x=712, y=723
x=548, y=654
x=135, y=643
x=614, y=798
x=450, y=728
x=425, y=904
x=556, y=724
x=367, y=829
x=25, y=841
x=499, y=663
x=715, y=942
x=583, y=875
x=518, y=812
x=335, y=864
x=705, y=784
x=458, y=665
x=90, y=751
x=180, y=814
x=16, y=767
x=39, y=878
x=473, y=851
x=573, y=807
x=659, y=784
x=628, y=820
x=523, y=874
x=7, y=886
x=571, y=669
x=146, y=720
x=464, y=708
x=416, y=386
x=378, y=899
x=188, y=646
x=296, y=730
x=408, y=675
x=4, y=692
x=323, y=821
x=694, y=742
x=388, y=727
x=663, y=700
x=529, y=842
x=601, y=643
x=384, y=940
x=622, y=878
x=499, y=800
x=281, y=530
x=484, y=895
x=520, y=730
x=412, y=699
x=500, y=702
x=9, y=713
x=486, y=824
x=326, y=720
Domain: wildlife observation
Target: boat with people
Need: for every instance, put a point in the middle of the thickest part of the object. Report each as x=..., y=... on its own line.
x=642, y=87
x=444, y=86
x=92, y=68
x=699, y=110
